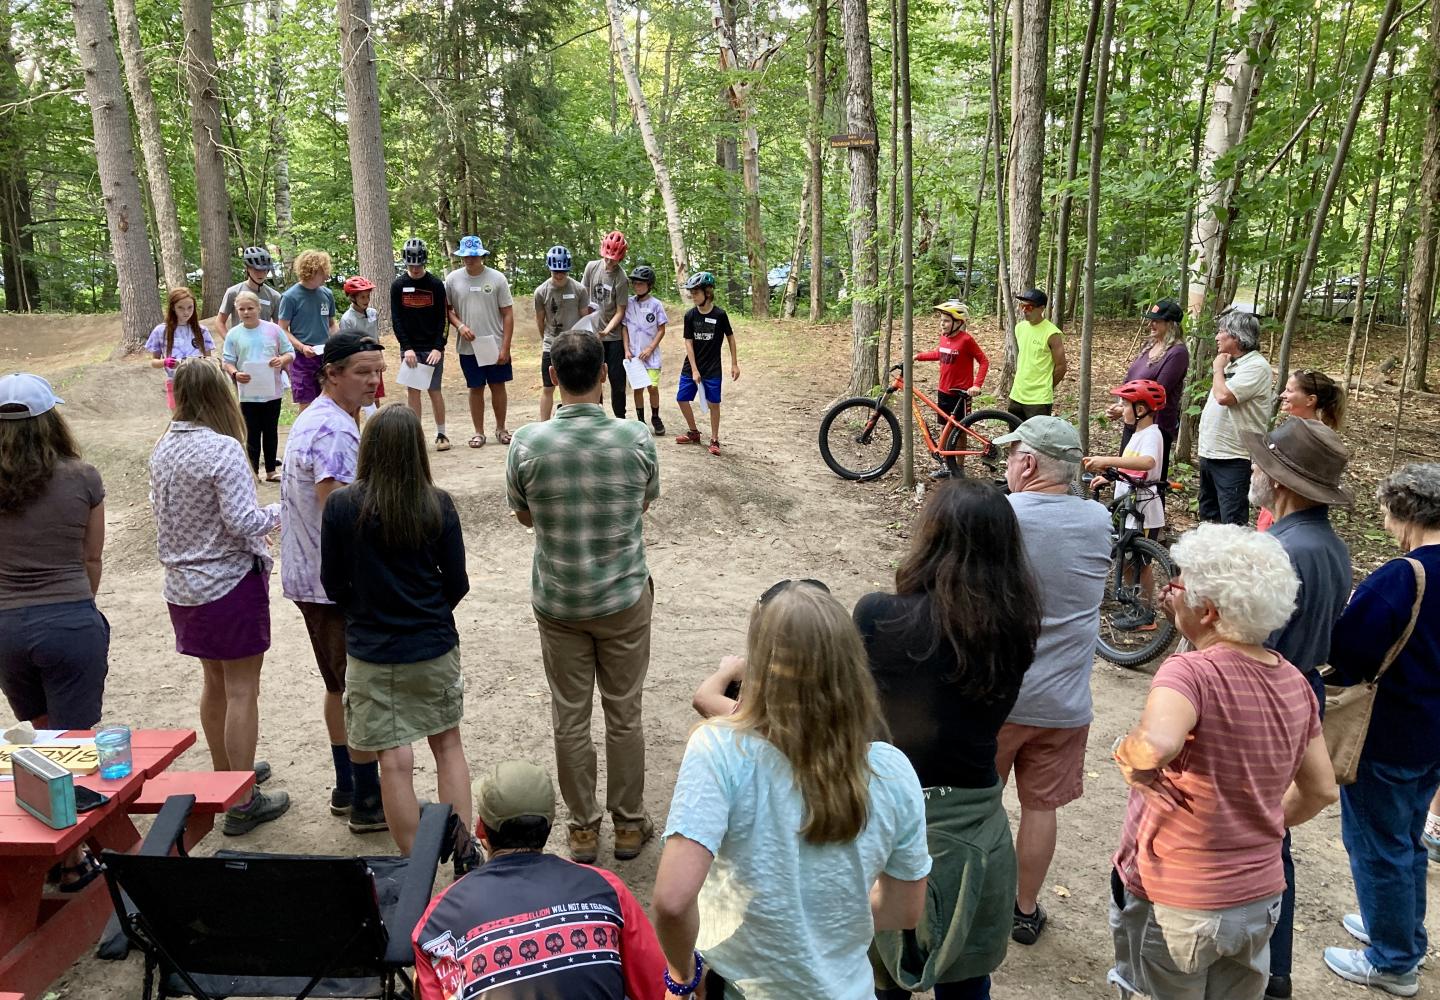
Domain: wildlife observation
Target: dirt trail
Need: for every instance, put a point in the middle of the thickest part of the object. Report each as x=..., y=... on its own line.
x=722, y=531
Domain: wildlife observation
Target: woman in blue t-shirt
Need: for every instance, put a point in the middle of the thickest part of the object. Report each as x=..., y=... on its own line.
x=791, y=800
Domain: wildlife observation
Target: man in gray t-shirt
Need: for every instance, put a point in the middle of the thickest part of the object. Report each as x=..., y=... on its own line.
x=1067, y=543
x=609, y=290
x=258, y=264
x=481, y=310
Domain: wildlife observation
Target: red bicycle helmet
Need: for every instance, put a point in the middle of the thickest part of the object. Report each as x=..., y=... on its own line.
x=1143, y=390
x=614, y=245
x=353, y=286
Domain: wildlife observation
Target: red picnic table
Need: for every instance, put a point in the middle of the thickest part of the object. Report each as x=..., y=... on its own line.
x=41, y=936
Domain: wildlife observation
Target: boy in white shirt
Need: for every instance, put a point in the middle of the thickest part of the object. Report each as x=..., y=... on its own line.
x=644, y=328
x=1141, y=400
x=362, y=318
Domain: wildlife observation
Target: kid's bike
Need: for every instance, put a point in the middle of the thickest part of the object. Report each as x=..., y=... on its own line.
x=860, y=437
x=1133, y=628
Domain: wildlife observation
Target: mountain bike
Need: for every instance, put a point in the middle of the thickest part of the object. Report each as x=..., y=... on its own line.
x=860, y=437
x=1133, y=628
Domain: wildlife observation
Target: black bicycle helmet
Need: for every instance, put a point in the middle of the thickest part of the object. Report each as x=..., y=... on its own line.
x=645, y=273
x=701, y=279
x=258, y=257
x=415, y=251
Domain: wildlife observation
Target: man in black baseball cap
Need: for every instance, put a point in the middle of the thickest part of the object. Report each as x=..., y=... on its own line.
x=1040, y=358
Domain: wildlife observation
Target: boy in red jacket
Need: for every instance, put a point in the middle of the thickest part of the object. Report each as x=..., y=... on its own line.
x=958, y=354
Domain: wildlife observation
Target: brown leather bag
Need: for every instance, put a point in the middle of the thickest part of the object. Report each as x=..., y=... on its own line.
x=1348, y=709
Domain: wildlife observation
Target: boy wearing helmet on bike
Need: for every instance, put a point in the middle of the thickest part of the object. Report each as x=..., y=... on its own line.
x=958, y=354
x=609, y=290
x=560, y=303
x=644, y=328
x=258, y=265
x=361, y=318
x=706, y=325
x=418, y=314
x=1140, y=400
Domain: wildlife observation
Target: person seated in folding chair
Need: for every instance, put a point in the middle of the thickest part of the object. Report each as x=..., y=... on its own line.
x=527, y=925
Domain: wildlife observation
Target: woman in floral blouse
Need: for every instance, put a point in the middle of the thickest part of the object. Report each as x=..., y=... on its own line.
x=217, y=569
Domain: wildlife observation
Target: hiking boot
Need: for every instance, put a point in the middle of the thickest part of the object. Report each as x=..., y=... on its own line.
x=368, y=817
x=340, y=802
x=584, y=845
x=442, y=443
x=262, y=808
x=630, y=839
x=1026, y=927
x=658, y=424
x=1278, y=988
x=262, y=771
x=1139, y=620
x=1352, y=965
x=689, y=437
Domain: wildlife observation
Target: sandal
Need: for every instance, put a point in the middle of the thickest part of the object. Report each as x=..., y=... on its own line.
x=273, y=476
x=503, y=436
x=477, y=441
x=81, y=875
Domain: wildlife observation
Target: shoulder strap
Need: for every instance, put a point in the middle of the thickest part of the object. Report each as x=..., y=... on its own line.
x=1409, y=628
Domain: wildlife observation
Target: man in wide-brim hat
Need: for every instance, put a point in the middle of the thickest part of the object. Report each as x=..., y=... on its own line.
x=1296, y=471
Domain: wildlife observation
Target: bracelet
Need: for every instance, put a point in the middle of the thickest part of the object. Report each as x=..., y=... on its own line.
x=685, y=989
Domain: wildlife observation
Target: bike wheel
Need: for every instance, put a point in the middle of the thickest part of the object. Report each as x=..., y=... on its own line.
x=990, y=465
x=1133, y=629
x=859, y=439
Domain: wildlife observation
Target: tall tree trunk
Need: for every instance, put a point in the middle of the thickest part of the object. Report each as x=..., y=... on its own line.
x=119, y=185
x=984, y=172
x=1420, y=294
x=1373, y=204
x=652, y=150
x=864, y=258
x=1072, y=160
x=279, y=141
x=792, y=279
x=815, y=150
x=152, y=145
x=211, y=198
x=1195, y=138
x=1005, y=301
x=1027, y=130
x=374, y=239
x=907, y=242
x=17, y=241
x=1092, y=221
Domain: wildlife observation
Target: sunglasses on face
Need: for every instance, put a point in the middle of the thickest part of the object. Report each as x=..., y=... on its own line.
x=785, y=585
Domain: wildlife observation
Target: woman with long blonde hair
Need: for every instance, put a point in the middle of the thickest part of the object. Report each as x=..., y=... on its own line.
x=791, y=800
x=181, y=336
x=217, y=570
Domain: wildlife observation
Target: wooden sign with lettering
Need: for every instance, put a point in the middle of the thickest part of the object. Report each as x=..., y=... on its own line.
x=851, y=140
x=77, y=758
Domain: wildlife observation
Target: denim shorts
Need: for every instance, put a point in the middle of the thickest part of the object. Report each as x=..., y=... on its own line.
x=53, y=662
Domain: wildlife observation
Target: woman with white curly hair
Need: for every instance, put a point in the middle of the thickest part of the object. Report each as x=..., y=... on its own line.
x=1382, y=815
x=1227, y=754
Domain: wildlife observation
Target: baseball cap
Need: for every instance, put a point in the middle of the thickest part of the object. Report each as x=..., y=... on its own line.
x=511, y=789
x=1033, y=297
x=31, y=392
x=341, y=345
x=470, y=246
x=1165, y=311
x=1049, y=436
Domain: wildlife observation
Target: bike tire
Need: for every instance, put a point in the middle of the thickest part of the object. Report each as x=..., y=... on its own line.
x=989, y=466
x=862, y=425
x=1153, y=644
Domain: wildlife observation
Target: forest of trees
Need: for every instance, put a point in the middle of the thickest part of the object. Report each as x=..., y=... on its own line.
x=1275, y=154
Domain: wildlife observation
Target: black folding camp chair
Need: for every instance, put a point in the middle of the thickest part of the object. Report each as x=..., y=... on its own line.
x=255, y=925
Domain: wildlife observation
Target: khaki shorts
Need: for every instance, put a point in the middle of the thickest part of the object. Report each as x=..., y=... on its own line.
x=389, y=705
x=1049, y=764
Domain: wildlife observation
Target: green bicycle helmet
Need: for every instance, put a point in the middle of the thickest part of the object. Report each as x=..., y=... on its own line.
x=701, y=279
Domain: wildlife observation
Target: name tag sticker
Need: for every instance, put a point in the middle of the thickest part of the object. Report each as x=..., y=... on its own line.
x=710, y=319
x=324, y=310
x=410, y=288
x=569, y=295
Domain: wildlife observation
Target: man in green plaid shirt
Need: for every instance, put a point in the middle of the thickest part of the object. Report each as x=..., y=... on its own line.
x=582, y=481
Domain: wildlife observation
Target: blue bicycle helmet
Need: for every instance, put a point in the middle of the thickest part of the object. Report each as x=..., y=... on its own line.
x=701, y=279
x=558, y=258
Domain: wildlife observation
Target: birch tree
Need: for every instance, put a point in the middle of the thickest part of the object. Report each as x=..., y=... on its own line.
x=815, y=151
x=119, y=184
x=656, y=155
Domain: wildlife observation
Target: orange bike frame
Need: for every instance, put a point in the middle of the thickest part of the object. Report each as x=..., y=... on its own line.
x=930, y=443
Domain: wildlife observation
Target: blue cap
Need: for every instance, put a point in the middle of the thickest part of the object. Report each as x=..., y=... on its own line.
x=470, y=246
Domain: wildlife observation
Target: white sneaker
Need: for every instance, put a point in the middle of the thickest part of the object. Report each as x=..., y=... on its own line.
x=1352, y=965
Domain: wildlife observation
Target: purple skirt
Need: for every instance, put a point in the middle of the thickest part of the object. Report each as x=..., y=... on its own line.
x=233, y=628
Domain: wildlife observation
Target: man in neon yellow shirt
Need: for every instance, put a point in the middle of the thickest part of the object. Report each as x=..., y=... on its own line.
x=1039, y=361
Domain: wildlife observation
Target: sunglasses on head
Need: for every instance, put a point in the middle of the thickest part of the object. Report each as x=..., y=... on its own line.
x=786, y=584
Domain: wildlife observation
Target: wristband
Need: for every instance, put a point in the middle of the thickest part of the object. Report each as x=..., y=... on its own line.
x=685, y=989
